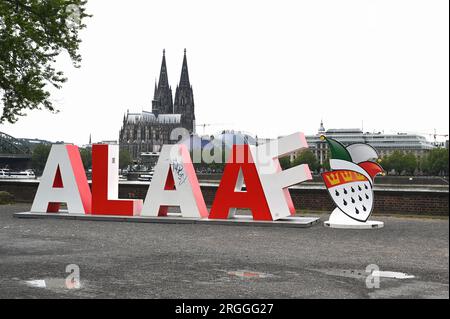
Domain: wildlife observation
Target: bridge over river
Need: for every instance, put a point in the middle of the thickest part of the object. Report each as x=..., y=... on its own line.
x=14, y=153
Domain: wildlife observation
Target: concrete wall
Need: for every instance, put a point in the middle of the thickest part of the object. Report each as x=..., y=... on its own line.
x=391, y=201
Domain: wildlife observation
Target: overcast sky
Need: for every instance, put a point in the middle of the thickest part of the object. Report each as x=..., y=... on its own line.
x=266, y=67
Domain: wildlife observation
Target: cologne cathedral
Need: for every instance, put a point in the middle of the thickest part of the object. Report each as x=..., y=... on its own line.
x=148, y=131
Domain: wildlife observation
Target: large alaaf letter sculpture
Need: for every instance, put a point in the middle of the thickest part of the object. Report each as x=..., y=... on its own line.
x=274, y=180
x=174, y=183
x=240, y=168
x=267, y=193
x=63, y=181
x=105, y=184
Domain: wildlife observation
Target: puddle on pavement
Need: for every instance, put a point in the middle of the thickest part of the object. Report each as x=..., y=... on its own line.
x=391, y=274
x=53, y=284
x=36, y=283
x=249, y=274
x=362, y=274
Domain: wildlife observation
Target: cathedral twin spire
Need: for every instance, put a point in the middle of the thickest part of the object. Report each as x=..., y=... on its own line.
x=162, y=99
x=184, y=79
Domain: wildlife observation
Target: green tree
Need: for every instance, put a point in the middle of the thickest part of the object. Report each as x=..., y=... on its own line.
x=394, y=162
x=86, y=157
x=400, y=163
x=307, y=157
x=436, y=162
x=124, y=158
x=326, y=162
x=326, y=165
x=32, y=34
x=285, y=162
x=386, y=163
x=409, y=162
x=39, y=157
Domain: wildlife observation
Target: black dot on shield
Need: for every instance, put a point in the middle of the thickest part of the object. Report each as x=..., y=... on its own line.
x=337, y=193
x=345, y=191
x=353, y=190
x=364, y=208
x=345, y=202
x=357, y=210
x=353, y=200
x=360, y=198
x=366, y=187
x=367, y=196
x=359, y=188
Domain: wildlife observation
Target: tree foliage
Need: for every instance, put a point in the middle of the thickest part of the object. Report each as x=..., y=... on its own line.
x=436, y=162
x=32, y=34
x=307, y=157
x=39, y=157
x=409, y=163
x=124, y=158
x=400, y=162
x=326, y=162
x=285, y=162
x=86, y=157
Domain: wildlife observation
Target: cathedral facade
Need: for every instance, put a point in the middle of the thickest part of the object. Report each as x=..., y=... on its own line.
x=148, y=131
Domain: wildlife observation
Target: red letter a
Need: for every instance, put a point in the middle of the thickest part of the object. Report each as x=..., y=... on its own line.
x=229, y=194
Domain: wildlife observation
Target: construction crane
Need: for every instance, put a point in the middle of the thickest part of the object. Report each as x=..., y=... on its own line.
x=204, y=125
x=435, y=135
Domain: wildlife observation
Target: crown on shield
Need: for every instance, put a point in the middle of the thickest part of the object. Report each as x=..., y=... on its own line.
x=347, y=176
x=333, y=178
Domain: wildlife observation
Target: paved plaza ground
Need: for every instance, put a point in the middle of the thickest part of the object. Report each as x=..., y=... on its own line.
x=140, y=260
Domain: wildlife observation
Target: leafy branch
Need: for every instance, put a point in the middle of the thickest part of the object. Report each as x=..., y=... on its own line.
x=32, y=34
